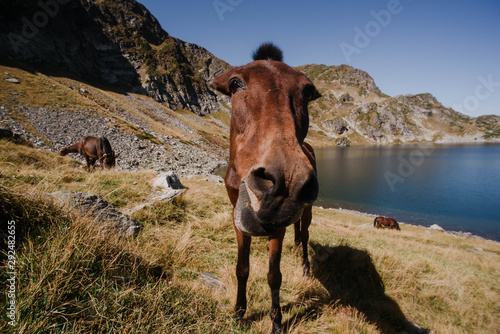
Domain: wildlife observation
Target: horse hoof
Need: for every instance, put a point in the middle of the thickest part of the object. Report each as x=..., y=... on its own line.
x=277, y=328
x=239, y=313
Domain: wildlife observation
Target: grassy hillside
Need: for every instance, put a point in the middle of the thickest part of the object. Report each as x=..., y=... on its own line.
x=126, y=110
x=75, y=278
x=57, y=111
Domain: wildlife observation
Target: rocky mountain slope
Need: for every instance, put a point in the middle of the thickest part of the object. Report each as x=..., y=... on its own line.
x=117, y=43
x=53, y=112
x=107, y=68
x=353, y=110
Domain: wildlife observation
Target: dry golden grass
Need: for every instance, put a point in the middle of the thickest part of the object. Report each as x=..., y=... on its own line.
x=23, y=167
x=78, y=279
x=73, y=277
x=445, y=283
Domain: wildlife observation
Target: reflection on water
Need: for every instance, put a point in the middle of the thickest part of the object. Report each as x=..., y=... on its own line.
x=454, y=186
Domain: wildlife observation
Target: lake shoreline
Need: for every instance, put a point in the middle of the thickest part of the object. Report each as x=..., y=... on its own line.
x=373, y=216
x=452, y=185
x=450, y=140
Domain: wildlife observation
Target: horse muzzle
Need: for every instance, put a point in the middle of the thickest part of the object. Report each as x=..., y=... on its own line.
x=266, y=204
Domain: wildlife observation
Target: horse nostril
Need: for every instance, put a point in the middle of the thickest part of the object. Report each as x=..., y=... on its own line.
x=307, y=192
x=265, y=182
x=261, y=181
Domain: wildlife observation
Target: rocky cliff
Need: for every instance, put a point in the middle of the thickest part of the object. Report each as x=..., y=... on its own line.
x=117, y=43
x=353, y=110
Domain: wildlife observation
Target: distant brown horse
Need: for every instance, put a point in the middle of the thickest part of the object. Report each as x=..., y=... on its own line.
x=271, y=177
x=93, y=149
x=391, y=223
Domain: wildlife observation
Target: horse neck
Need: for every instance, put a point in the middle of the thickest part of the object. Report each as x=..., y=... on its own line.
x=74, y=148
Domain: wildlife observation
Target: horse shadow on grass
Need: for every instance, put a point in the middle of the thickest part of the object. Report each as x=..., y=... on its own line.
x=351, y=279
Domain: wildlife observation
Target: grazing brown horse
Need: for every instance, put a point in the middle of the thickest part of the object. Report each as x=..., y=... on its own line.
x=271, y=178
x=93, y=149
x=391, y=223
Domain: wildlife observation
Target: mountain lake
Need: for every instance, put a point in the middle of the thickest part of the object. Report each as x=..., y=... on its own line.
x=456, y=186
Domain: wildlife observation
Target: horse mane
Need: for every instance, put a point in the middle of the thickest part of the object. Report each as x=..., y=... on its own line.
x=105, y=146
x=268, y=51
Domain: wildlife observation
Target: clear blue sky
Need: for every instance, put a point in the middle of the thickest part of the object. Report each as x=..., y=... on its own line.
x=449, y=48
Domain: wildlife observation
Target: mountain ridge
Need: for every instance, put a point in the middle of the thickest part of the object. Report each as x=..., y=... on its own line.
x=89, y=50
x=353, y=110
x=117, y=42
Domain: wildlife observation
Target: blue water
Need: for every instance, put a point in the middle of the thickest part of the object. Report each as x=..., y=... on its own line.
x=454, y=186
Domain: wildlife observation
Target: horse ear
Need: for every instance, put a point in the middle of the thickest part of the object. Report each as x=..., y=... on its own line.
x=314, y=94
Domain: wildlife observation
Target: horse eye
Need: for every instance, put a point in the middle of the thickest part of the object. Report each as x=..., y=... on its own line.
x=234, y=85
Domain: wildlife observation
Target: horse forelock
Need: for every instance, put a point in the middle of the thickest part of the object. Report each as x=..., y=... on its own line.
x=268, y=51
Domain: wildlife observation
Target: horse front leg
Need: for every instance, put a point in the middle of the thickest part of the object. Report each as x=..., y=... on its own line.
x=242, y=272
x=304, y=237
x=274, y=277
x=90, y=162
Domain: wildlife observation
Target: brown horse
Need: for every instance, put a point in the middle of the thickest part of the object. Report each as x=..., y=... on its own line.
x=93, y=149
x=391, y=223
x=271, y=178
